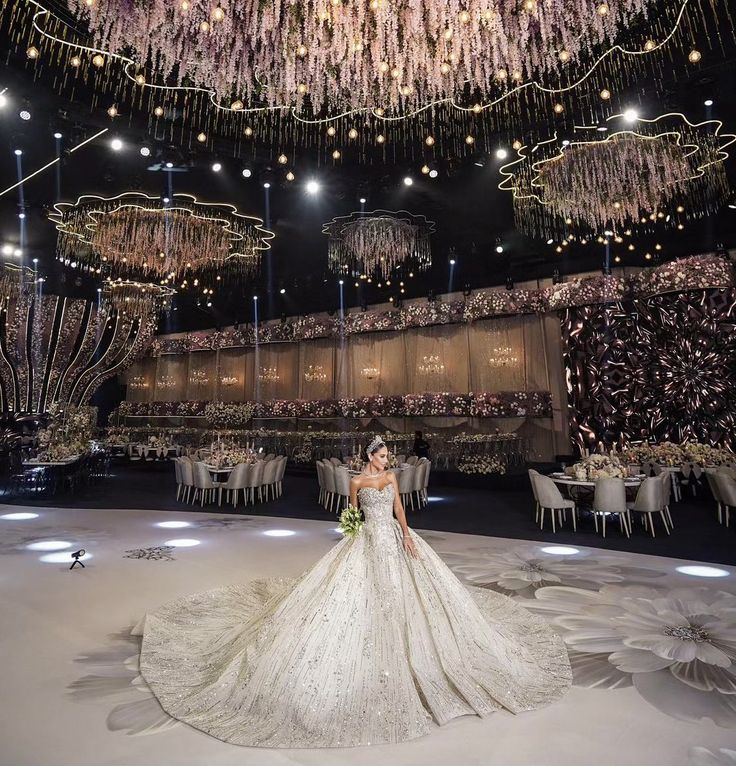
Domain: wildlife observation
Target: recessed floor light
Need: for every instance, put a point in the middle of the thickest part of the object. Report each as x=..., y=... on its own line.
x=702, y=571
x=173, y=524
x=279, y=532
x=49, y=545
x=182, y=542
x=561, y=550
x=19, y=516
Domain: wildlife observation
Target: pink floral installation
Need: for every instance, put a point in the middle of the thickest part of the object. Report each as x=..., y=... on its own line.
x=692, y=273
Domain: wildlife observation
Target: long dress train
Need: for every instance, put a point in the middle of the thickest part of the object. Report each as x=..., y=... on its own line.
x=368, y=646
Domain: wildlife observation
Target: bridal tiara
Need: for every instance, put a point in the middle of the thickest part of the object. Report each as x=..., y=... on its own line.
x=376, y=444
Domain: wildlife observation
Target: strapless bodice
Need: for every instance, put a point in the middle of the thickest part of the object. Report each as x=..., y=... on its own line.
x=377, y=504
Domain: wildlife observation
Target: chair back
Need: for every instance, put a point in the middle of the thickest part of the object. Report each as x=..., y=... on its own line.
x=407, y=480
x=666, y=482
x=548, y=493
x=342, y=481
x=400, y=459
x=328, y=475
x=650, y=495
x=269, y=472
x=412, y=459
x=532, y=478
x=255, y=475
x=610, y=496
x=237, y=477
x=187, y=472
x=281, y=460
x=202, y=478
x=422, y=469
x=335, y=461
x=177, y=470
x=727, y=489
x=427, y=471
x=710, y=475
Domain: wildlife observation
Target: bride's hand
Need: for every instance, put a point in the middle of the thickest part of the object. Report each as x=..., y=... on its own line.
x=409, y=546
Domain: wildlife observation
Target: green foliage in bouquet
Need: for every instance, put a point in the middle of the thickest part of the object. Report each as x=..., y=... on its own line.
x=351, y=521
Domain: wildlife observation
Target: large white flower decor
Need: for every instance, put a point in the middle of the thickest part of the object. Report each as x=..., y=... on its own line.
x=224, y=415
x=676, y=647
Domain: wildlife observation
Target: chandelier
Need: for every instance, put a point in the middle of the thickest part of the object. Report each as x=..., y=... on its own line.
x=314, y=55
x=199, y=378
x=315, y=373
x=431, y=365
x=377, y=243
x=136, y=298
x=228, y=381
x=268, y=375
x=136, y=235
x=503, y=356
x=138, y=382
x=370, y=373
x=664, y=170
x=166, y=382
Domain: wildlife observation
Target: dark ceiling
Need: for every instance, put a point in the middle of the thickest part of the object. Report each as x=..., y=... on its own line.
x=472, y=216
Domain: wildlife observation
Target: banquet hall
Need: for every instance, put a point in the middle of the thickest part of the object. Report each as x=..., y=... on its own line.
x=260, y=261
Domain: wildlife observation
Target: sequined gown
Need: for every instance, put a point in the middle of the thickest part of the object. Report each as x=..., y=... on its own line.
x=368, y=646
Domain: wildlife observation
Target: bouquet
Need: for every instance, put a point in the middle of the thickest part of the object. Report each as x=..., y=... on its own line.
x=351, y=521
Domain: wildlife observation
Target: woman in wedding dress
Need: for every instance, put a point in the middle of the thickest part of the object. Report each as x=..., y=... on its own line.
x=378, y=642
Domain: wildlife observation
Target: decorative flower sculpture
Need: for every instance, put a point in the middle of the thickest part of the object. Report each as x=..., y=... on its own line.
x=666, y=169
x=377, y=243
x=136, y=235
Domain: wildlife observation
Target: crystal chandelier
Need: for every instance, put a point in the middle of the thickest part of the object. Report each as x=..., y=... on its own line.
x=370, y=373
x=166, y=382
x=228, y=381
x=377, y=243
x=502, y=356
x=315, y=373
x=431, y=365
x=199, y=378
x=139, y=236
x=138, y=381
x=136, y=298
x=268, y=375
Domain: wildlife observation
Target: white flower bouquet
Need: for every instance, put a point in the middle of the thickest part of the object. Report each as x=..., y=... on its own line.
x=351, y=521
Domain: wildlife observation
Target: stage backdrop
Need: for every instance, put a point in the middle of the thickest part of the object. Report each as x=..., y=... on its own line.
x=521, y=353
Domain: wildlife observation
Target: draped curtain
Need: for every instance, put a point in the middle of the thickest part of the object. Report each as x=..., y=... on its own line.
x=320, y=356
x=381, y=351
x=442, y=346
x=496, y=351
x=202, y=377
x=283, y=358
x=232, y=365
x=172, y=375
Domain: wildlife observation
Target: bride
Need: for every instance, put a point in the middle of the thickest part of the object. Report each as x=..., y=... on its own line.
x=378, y=642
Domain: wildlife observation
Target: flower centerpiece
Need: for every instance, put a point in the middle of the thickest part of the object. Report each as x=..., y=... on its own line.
x=229, y=415
x=351, y=521
x=598, y=467
x=481, y=464
x=225, y=454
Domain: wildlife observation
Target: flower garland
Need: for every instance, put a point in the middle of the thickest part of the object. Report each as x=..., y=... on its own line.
x=693, y=273
x=536, y=404
x=671, y=454
x=481, y=464
x=598, y=467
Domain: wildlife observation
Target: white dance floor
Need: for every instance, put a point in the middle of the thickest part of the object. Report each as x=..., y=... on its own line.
x=651, y=686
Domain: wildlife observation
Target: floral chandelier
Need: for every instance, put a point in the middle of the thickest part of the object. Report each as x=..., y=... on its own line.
x=665, y=170
x=136, y=298
x=341, y=55
x=135, y=235
x=377, y=243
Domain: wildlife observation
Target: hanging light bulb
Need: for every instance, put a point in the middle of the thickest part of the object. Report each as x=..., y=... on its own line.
x=380, y=138
x=602, y=9
x=282, y=159
x=159, y=111
x=75, y=61
x=32, y=52
x=694, y=56
x=237, y=105
x=331, y=130
x=429, y=140
x=564, y=56
x=605, y=94
x=336, y=154
x=140, y=79
x=98, y=60
x=201, y=137
x=218, y=14
x=352, y=133
x=558, y=108
x=650, y=45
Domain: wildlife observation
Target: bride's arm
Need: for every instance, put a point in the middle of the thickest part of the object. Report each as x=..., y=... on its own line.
x=354, y=482
x=409, y=546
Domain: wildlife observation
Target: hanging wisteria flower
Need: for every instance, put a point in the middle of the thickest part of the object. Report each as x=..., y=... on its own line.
x=677, y=647
x=351, y=521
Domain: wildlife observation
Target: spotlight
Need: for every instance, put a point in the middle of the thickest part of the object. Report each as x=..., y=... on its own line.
x=282, y=291
x=499, y=249
x=21, y=216
x=255, y=297
x=3, y=100
x=216, y=167
x=452, y=261
x=247, y=172
x=708, y=102
x=501, y=154
x=408, y=180
x=57, y=134
x=266, y=185
x=166, y=200
x=24, y=114
x=169, y=165
x=18, y=252
x=362, y=200
x=7, y=250
x=145, y=151
x=509, y=283
x=116, y=144
x=631, y=115
x=312, y=187
x=18, y=152
x=433, y=173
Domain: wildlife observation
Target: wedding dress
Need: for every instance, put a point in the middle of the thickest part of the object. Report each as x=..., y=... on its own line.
x=368, y=646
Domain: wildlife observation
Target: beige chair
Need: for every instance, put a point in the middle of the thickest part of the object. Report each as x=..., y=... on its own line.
x=407, y=485
x=204, y=487
x=187, y=478
x=319, y=465
x=269, y=478
x=727, y=491
x=342, y=487
x=710, y=475
x=412, y=460
x=666, y=480
x=610, y=497
x=255, y=481
x=650, y=500
x=550, y=499
x=335, y=461
x=422, y=467
x=237, y=480
x=532, y=474
x=328, y=476
x=281, y=460
x=177, y=473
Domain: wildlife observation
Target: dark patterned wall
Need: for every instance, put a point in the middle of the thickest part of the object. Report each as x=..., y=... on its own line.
x=661, y=368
